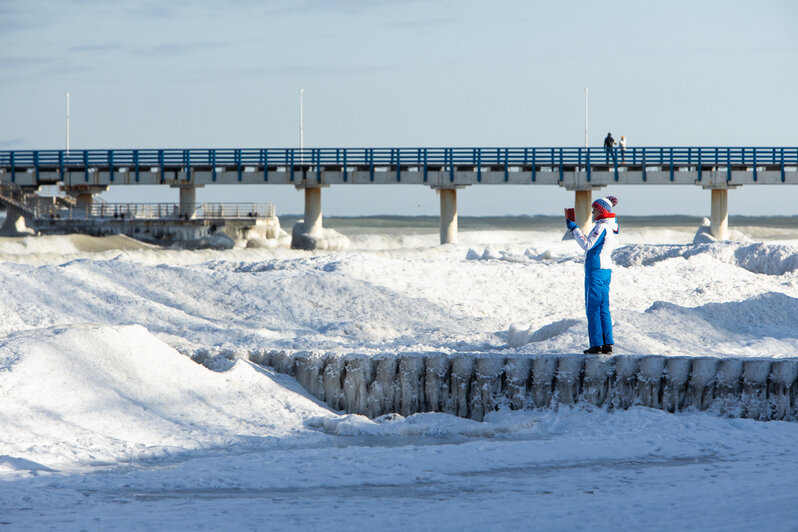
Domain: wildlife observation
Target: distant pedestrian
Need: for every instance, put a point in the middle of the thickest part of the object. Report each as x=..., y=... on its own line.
x=622, y=144
x=598, y=245
x=609, y=147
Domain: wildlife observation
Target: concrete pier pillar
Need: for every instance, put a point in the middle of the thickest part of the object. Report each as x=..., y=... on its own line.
x=84, y=197
x=582, y=209
x=188, y=202
x=448, y=215
x=719, y=217
x=313, y=210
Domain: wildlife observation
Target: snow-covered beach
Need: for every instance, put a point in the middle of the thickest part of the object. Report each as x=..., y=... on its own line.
x=106, y=425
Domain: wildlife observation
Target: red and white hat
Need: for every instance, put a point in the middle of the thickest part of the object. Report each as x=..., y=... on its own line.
x=605, y=205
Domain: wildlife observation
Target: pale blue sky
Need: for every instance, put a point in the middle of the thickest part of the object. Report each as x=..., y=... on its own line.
x=180, y=74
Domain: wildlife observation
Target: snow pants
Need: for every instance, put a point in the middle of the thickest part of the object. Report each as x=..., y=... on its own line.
x=597, y=304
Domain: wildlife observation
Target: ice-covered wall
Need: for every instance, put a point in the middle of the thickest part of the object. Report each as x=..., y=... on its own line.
x=469, y=385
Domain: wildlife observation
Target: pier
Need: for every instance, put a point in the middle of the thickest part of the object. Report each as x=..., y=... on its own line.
x=84, y=173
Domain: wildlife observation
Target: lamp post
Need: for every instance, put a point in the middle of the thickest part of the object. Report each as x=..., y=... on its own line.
x=67, y=123
x=301, y=129
x=585, y=117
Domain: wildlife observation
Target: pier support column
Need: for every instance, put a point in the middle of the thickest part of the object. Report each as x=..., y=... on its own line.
x=719, y=217
x=84, y=197
x=313, y=210
x=188, y=202
x=448, y=214
x=582, y=209
x=309, y=233
x=187, y=207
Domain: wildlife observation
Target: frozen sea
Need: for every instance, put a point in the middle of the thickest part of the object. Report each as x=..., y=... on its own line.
x=105, y=425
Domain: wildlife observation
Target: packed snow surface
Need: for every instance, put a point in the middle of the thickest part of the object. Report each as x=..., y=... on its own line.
x=105, y=425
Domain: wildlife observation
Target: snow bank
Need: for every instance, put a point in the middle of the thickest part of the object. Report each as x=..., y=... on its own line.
x=87, y=395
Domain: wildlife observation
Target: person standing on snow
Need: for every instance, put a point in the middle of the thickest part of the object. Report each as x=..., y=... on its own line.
x=598, y=245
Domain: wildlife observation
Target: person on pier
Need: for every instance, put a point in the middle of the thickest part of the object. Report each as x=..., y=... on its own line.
x=609, y=148
x=598, y=246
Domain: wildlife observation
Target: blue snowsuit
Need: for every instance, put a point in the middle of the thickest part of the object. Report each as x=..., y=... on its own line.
x=598, y=245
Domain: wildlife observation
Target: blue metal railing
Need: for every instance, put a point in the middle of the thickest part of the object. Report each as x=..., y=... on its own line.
x=437, y=158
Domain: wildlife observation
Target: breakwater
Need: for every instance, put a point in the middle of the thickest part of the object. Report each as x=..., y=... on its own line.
x=472, y=384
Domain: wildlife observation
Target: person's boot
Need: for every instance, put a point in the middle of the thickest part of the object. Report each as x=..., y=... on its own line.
x=606, y=349
x=593, y=351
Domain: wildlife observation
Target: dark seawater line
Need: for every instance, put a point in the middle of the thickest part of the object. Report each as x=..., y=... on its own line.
x=429, y=224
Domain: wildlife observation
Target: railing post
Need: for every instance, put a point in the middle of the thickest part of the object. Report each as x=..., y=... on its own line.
x=111, y=165
x=754, y=159
x=699, y=164
x=587, y=164
x=728, y=165
x=370, y=159
x=36, y=164
x=783, y=177
x=398, y=165
x=643, y=166
x=671, y=158
x=136, y=163
x=534, y=164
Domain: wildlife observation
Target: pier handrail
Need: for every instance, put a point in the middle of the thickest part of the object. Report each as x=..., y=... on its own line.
x=146, y=159
x=40, y=208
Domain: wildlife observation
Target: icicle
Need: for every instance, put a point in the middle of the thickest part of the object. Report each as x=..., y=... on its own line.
x=599, y=372
x=436, y=383
x=309, y=367
x=544, y=369
x=518, y=371
x=702, y=382
x=283, y=362
x=358, y=375
x=411, y=376
x=333, y=382
x=486, y=386
x=569, y=378
x=755, y=389
x=783, y=389
x=625, y=381
x=729, y=387
x=462, y=372
x=649, y=381
x=677, y=373
x=382, y=390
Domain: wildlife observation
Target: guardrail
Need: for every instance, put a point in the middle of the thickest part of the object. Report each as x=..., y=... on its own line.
x=63, y=160
x=153, y=211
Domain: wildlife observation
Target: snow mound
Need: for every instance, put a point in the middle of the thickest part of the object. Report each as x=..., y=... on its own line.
x=90, y=394
x=764, y=258
x=518, y=335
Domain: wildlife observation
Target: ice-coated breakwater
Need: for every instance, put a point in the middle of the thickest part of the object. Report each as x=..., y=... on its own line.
x=472, y=384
